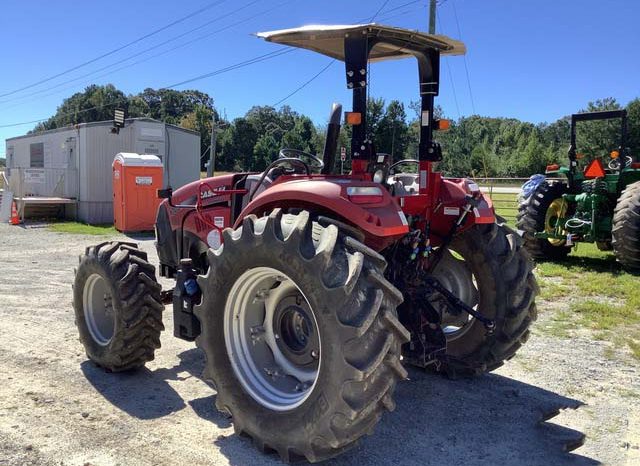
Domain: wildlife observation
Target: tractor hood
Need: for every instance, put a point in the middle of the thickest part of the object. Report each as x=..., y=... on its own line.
x=329, y=40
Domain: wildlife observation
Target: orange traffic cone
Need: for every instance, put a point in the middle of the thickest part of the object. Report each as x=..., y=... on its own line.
x=15, y=220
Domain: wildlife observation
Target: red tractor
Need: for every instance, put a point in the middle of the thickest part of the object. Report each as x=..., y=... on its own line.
x=308, y=291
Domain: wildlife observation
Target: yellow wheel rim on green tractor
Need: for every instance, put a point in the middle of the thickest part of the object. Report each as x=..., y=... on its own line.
x=557, y=210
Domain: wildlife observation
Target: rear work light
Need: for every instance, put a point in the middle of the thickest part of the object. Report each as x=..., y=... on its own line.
x=364, y=194
x=353, y=118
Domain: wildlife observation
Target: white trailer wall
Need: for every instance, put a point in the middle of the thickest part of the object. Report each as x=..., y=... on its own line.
x=58, y=176
x=77, y=161
x=182, y=164
x=98, y=147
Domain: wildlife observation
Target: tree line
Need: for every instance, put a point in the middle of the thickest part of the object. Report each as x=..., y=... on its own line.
x=473, y=146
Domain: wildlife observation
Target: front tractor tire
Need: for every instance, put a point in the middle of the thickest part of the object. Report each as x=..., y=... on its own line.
x=538, y=213
x=300, y=334
x=118, y=311
x=626, y=228
x=488, y=269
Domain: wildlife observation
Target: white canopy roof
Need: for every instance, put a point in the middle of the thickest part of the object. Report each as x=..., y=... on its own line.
x=329, y=40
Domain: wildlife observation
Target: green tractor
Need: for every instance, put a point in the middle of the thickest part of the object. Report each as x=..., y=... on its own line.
x=598, y=205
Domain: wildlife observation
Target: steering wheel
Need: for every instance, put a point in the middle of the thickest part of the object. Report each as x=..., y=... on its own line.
x=402, y=162
x=289, y=162
x=311, y=161
x=614, y=164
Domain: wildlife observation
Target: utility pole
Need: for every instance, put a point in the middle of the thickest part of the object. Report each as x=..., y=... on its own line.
x=432, y=16
x=212, y=147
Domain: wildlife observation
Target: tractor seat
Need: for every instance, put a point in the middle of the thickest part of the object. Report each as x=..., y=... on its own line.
x=403, y=184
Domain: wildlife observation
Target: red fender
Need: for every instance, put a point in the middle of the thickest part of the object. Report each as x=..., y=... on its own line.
x=379, y=216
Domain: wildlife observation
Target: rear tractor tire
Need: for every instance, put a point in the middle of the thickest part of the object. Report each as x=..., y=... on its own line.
x=538, y=213
x=300, y=334
x=488, y=269
x=116, y=300
x=626, y=228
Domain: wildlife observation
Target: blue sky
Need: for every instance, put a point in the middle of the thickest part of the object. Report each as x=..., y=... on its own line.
x=534, y=60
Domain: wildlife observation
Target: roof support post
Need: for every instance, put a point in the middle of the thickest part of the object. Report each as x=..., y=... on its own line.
x=429, y=75
x=357, y=47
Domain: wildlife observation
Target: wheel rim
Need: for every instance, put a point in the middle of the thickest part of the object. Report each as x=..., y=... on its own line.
x=272, y=339
x=98, y=309
x=557, y=209
x=454, y=273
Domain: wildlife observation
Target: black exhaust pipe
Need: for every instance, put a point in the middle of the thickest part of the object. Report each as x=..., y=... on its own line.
x=331, y=142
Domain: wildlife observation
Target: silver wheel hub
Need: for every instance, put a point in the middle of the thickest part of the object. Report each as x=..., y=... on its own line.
x=98, y=309
x=272, y=339
x=455, y=275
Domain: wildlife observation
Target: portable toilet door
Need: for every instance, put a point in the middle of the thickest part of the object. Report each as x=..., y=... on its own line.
x=136, y=180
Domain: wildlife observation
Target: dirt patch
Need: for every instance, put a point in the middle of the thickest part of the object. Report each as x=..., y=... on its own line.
x=58, y=408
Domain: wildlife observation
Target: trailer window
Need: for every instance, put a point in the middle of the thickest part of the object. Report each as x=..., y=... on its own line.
x=37, y=155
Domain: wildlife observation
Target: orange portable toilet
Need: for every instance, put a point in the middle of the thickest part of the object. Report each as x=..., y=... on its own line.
x=136, y=179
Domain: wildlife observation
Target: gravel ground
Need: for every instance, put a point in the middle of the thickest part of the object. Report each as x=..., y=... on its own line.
x=56, y=408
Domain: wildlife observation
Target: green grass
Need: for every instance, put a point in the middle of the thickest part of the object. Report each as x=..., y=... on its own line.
x=506, y=206
x=77, y=228
x=595, y=294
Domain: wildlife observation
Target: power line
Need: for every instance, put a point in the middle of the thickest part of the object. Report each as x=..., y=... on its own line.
x=326, y=67
x=137, y=54
x=139, y=39
x=466, y=67
x=251, y=61
x=306, y=83
x=242, y=64
x=75, y=112
x=453, y=86
x=401, y=6
x=379, y=10
x=246, y=19
x=397, y=15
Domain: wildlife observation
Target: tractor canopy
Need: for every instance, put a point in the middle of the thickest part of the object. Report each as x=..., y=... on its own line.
x=356, y=46
x=392, y=42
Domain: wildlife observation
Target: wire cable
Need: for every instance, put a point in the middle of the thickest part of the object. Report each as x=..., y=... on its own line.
x=384, y=4
x=251, y=61
x=242, y=64
x=453, y=86
x=326, y=67
x=142, y=52
x=64, y=114
x=466, y=67
x=184, y=44
x=122, y=47
x=306, y=83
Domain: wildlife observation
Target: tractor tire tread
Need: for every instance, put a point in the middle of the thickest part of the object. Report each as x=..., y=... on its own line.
x=362, y=311
x=136, y=301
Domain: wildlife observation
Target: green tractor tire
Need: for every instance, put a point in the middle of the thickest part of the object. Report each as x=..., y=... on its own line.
x=626, y=228
x=538, y=213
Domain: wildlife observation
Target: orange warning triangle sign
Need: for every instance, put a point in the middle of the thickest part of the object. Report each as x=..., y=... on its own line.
x=594, y=170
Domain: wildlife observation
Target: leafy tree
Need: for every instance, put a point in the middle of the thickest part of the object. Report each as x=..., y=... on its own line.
x=264, y=151
x=474, y=145
x=633, y=140
x=95, y=103
x=598, y=138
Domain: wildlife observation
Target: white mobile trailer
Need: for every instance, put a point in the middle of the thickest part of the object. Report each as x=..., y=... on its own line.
x=75, y=163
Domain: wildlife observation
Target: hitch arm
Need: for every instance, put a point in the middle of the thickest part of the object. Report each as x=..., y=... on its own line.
x=453, y=300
